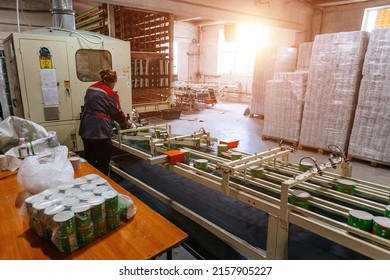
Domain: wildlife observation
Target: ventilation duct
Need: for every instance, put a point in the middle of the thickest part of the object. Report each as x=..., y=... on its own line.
x=62, y=14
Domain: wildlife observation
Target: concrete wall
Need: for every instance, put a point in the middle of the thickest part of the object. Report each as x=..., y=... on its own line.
x=32, y=15
x=342, y=18
x=187, y=39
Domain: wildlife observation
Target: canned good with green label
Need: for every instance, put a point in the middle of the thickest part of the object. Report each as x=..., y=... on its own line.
x=82, y=214
x=387, y=211
x=37, y=218
x=31, y=200
x=100, y=227
x=235, y=156
x=346, y=186
x=111, y=200
x=201, y=164
x=186, y=155
x=360, y=219
x=126, y=207
x=66, y=244
x=256, y=171
x=381, y=227
x=113, y=219
x=98, y=208
x=222, y=148
x=85, y=235
x=49, y=213
x=70, y=201
x=65, y=223
x=300, y=198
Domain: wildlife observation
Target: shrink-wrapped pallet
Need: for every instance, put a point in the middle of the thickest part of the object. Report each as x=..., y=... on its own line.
x=4, y=89
x=284, y=106
x=332, y=89
x=304, y=56
x=370, y=137
x=268, y=62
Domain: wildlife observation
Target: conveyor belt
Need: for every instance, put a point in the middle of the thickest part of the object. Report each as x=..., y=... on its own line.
x=245, y=222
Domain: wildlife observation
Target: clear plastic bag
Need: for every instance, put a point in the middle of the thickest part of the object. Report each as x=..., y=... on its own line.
x=39, y=173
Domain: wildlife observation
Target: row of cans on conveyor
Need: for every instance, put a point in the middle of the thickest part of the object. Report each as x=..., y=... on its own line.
x=365, y=221
x=73, y=215
x=378, y=225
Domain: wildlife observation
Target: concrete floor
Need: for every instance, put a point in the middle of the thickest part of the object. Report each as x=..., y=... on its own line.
x=227, y=121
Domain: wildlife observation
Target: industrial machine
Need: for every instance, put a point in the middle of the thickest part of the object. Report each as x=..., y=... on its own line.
x=270, y=183
x=49, y=70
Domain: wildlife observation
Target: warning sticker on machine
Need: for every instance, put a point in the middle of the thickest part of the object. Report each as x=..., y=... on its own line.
x=45, y=63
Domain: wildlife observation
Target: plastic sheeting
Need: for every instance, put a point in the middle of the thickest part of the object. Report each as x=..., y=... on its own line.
x=13, y=128
x=284, y=105
x=304, y=56
x=268, y=62
x=332, y=89
x=4, y=90
x=370, y=137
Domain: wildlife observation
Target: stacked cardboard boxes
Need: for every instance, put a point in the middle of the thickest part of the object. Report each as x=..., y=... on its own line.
x=370, y=137
x=268, y=62
x=284, y=105
x=304, y=56
x=332, y=89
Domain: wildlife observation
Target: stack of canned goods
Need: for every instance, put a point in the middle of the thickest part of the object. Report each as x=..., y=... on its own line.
x=75, y=214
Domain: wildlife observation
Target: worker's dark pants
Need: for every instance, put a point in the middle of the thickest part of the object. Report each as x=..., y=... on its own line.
x=98, y=153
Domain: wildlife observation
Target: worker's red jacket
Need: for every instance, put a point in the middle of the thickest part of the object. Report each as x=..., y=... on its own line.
x=101, y=109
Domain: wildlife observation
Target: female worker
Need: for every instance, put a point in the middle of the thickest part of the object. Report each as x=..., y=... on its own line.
x=101, y=109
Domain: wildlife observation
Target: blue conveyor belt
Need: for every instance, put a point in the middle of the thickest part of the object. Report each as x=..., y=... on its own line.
x=242, y=220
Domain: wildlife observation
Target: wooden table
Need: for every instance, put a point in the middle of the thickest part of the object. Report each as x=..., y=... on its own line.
x=145, y=236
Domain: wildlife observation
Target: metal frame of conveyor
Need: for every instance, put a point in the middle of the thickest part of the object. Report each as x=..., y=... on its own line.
x=281, y=178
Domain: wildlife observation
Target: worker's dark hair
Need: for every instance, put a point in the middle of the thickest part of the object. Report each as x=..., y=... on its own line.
x=108, y=75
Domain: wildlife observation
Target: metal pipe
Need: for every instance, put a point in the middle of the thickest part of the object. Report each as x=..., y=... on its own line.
x=63, y=15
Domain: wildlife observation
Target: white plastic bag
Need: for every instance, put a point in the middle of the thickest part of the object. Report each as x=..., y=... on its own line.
x=37, y=173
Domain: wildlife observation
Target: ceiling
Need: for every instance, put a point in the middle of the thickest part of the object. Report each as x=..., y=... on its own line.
x=328, y=3
x=192, y=16
x=81, y=6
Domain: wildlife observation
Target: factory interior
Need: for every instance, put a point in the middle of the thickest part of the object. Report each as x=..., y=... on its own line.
x=260, y=130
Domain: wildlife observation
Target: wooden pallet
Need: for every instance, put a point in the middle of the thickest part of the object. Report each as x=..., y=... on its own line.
x=280, y=140
x=371, y=162
x=319, y=151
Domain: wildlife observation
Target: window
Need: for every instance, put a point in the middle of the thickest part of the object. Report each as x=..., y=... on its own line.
x=376, y=17
x=90, y=62
x=238, y=57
